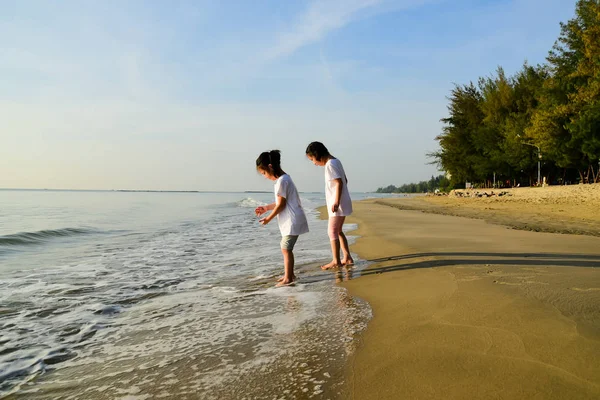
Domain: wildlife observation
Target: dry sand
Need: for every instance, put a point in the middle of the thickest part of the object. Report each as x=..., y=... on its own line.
x=464, y=309
x=571, y=209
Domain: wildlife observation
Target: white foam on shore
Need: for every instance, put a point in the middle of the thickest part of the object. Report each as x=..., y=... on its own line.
x=214, y=343
x=194, y=299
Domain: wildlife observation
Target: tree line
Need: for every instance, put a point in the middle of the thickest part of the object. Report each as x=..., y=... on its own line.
x=440, y=182
x=499, y=128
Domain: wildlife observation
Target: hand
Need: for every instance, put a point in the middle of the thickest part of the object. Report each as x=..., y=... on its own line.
x=260, y=210
x=264, y=221
x=335, y=206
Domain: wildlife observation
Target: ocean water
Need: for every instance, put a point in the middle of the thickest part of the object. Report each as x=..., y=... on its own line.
x=138, y=295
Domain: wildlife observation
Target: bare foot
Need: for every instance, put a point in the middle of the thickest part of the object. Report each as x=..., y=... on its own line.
x=285, y=282
x=281, y=279
x=331, y=265
x=348, y=261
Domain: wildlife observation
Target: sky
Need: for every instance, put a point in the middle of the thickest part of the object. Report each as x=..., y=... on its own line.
x=184, y=95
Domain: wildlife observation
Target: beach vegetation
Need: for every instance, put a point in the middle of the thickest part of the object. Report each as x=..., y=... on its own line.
x=440, y=183
x=502, y=130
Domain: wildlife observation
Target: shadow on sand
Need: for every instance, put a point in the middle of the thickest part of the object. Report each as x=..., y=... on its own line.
x=448, y=259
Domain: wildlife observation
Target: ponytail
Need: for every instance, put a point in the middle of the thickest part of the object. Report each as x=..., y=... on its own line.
x=270, y=161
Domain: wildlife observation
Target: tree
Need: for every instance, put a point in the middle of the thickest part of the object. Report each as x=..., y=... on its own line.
x=440, y=182
x=526, y=86
x=500, y=125
x=460, y=153
x=567, y=123
x=484, y=134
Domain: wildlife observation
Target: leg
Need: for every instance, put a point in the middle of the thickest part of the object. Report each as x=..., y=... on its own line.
x=288, y=267
x=335, y=251
x=287, y=245
x=347, y=260
x=334, y=229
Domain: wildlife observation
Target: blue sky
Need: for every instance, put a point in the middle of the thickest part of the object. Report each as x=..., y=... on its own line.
x=184, y=95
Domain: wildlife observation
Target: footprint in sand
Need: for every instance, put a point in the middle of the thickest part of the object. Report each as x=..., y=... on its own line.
x=538, y=270
x=509, y=283
x=469, y=278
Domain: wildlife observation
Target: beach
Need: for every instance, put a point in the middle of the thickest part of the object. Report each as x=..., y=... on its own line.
x=125, y=295
x=474, y=308
x=557, y=209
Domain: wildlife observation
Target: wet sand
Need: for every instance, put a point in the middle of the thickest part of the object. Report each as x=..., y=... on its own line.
x=467, y=309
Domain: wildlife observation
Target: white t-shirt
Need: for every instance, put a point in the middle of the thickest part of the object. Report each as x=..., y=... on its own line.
x=334, y=170
x=291, y=220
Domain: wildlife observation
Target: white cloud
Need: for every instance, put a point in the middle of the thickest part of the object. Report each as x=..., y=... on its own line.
x=325, y=16
x=320, y=18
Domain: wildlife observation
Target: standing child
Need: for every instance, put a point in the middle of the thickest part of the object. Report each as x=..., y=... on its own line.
x=287, y=207
x=339, y=204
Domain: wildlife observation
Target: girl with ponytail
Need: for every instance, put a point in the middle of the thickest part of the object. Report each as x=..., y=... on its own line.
x=287, y=208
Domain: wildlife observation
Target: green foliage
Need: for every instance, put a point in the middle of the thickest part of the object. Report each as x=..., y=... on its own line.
x=440, y=183
x=459, y=152
x=567, y=123
x=485, y=133
x=496, y=127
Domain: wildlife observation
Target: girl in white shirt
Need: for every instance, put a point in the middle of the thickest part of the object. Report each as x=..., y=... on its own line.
x=287, y=207
x=339, y=204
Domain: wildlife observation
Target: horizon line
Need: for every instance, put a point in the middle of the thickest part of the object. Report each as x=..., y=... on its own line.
x=150, y=190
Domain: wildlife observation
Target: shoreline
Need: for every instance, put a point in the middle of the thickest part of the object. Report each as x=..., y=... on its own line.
x=466, y=309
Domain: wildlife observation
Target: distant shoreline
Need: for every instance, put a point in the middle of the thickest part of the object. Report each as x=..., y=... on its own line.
x=108, y=190
x=112, y=190
x=147, y=191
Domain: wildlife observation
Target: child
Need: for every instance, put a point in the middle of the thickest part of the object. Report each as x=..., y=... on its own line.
x=287, y=207
x=339, y=204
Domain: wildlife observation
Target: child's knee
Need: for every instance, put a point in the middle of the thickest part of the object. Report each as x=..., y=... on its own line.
x=334, y=229
x=333, y=232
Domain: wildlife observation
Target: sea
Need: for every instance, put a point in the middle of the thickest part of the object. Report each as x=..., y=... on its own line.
x=143, y=295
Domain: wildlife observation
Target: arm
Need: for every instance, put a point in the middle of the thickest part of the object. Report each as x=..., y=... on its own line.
x=338, y=194
x=260, y=210
x=279, y=205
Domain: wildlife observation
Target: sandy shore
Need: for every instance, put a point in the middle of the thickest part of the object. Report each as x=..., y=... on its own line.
x=467, y=309
x=558, y=209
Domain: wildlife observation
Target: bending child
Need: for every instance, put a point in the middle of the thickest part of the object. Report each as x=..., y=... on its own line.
x=339, y=204
x=287, y=208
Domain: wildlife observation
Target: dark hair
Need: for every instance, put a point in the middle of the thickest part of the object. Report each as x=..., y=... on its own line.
x=318, y=151
x=270, y=158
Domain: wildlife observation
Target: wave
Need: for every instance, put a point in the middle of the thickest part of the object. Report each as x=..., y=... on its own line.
x=25, y=369
x=249, y=202
x=31, y=238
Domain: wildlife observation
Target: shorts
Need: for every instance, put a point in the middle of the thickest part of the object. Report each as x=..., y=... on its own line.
x=288, y=242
